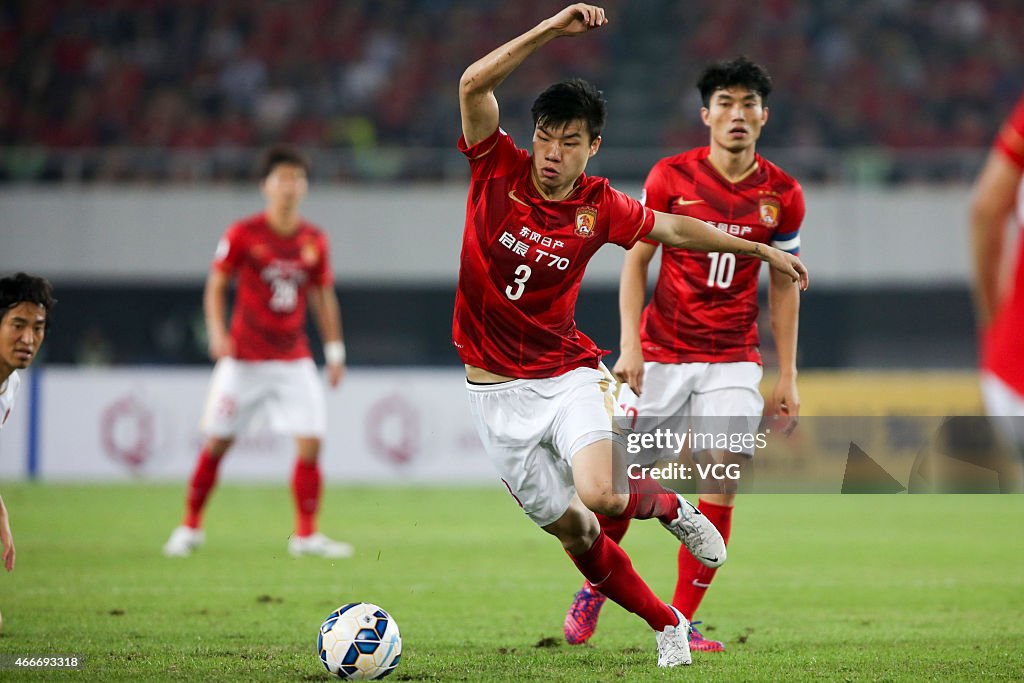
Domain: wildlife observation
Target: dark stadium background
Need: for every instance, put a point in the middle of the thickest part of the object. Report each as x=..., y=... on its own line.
x=870, y=94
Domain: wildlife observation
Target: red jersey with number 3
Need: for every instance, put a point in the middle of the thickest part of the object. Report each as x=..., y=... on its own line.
x=704, y=308
x=273, y=275
x=1002, y=349
x=523, y=258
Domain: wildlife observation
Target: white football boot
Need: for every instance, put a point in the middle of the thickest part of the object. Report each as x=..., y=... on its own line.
x=674, y=643
x=183, y=541
x=320, y=546
x=698, y=534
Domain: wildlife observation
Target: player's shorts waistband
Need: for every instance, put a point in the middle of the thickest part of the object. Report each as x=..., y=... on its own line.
x=555, y=381
x=498, y=386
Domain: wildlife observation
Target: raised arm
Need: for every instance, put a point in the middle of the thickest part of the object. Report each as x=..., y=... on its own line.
x=685, y=232
x=477, y=103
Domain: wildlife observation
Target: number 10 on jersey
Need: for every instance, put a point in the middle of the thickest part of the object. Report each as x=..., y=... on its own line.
x=723, y=267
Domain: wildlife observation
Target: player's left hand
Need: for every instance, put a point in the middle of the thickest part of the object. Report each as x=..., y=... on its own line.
x=335, y=373
x=788, y=264
x=785, y=403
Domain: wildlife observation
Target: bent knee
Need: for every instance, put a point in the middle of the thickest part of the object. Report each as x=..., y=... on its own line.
x=576, y=530
x=581, y=541
x=218, y=446
x=603, y=500
x=308, y=449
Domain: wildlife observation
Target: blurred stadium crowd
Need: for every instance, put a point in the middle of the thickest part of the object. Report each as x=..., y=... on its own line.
x=184, y=89
x=876, y=92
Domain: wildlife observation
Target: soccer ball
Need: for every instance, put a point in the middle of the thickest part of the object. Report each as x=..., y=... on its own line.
x=359, y=641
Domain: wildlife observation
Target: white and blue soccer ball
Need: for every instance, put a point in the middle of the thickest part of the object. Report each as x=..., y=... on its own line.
x=359, y=641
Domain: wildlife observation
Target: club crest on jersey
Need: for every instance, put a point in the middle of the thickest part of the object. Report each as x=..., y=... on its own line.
x=586, y=221
x=769, y=210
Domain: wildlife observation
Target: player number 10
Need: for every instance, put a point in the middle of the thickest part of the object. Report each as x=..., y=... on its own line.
x=723, y=267
x=523, y=274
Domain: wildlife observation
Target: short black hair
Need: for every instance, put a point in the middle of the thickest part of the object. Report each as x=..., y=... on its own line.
x=281, y=154
x=740, y=71
x=22, y=287
x=569, y=101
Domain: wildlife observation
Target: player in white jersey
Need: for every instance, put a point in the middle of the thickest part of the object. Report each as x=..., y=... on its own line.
x=25, y=303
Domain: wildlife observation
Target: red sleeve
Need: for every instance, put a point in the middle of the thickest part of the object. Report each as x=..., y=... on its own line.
x=230, y=250
x=787, y=233
x=494, y=156
x=629, y=220
x=655, y=194
x=1010, y=140
x=323, y=275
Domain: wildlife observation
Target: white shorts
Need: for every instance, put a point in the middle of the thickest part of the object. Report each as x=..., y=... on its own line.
x=531, y=428
x=679, y=396
x=1005, y=407
x=286, y=396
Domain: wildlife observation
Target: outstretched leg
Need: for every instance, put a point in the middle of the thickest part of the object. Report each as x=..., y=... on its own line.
x=617, y=501
x=606, y=565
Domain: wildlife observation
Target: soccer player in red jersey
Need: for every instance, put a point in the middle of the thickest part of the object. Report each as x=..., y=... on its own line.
x=693, y=351
x=264, y=366
x=25, y=305
x=540, y=399
x=998, y=298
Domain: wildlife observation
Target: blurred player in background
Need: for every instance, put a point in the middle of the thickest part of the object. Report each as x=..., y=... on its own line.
x=998, y=299
x=25, y=305
x=264, y=364
x=693, y=351
x=540, y=398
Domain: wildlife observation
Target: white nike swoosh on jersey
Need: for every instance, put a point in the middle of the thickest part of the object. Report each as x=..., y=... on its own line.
x=687, y=202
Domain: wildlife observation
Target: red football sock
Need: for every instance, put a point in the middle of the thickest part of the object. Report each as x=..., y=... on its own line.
x=306, y=491
x=648, y=498
x=694, y=578
x=614, y=528
x=203, y=480
x=609, y=569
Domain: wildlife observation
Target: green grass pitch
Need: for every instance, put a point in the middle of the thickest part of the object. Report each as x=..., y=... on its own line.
x=874, y=588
